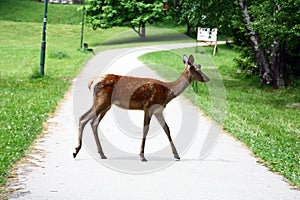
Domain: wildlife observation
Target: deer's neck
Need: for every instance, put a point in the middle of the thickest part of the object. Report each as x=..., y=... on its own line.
x=179, y=85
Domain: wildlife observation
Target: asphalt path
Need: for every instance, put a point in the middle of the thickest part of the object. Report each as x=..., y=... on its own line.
x=226, y=169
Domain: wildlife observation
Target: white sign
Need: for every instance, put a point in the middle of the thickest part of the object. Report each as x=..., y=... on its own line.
x=205, y=34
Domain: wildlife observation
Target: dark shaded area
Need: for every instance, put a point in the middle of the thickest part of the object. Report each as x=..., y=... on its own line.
x=164, y=37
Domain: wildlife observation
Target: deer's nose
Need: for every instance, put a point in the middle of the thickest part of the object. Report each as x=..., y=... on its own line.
x=205, y=78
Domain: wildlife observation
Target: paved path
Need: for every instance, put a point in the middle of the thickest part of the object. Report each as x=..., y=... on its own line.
x=228, y=172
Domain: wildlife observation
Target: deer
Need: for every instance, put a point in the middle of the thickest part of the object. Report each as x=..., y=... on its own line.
x=135, y=93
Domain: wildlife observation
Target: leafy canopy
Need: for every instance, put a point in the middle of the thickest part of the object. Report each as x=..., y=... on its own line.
x=277, y=20
x=132, y=13
x=212, y=14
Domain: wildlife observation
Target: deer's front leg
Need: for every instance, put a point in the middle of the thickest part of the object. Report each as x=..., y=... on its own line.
x=162, y=122
x=147, y=119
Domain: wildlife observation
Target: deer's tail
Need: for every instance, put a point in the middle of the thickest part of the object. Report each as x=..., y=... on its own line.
x=91, y=83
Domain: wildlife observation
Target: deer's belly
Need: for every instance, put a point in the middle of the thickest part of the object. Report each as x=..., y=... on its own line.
x=139, y=103
x=139, y=97
x=132, y=104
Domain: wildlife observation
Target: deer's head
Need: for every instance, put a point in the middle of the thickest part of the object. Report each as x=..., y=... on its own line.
x=195, y=72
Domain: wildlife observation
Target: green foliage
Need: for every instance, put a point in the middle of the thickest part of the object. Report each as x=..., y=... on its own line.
x=245, y=67
x=246, y=59
x=266, y=120
x=275, y=22
x=17, y=10
x=211, y=14
x=110, y=13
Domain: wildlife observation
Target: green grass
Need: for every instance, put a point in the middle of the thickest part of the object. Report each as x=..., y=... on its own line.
x=266, y=120
x=32, y=11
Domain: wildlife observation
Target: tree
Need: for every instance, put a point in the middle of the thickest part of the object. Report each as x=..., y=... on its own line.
x=255, y=42
x=273, y=29
x=211, y=14
x=267, y=32
x=131, y=13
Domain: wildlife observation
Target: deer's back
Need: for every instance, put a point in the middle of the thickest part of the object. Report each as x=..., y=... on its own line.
x=132, y=92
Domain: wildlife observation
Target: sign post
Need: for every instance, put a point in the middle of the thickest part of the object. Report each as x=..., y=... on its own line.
x=43, y=46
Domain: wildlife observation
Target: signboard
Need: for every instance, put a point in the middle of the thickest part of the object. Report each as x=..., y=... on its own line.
x=207, y=35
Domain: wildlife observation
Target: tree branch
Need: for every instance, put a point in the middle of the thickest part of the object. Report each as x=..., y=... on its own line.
x=138, y=31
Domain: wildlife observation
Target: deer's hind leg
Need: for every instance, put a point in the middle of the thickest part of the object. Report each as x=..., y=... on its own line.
x=94, y=124
x=83, y=120
x=147, y=119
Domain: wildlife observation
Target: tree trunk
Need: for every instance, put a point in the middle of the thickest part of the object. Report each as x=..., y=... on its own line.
x=189, y=30
x=143, y=33
x=278, y=64
x=261, y=59
x=283, y=63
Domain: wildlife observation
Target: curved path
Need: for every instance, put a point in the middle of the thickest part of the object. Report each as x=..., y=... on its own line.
x=229, y=171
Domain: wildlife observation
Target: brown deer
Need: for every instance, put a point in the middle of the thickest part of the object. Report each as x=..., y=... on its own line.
x=132, y=93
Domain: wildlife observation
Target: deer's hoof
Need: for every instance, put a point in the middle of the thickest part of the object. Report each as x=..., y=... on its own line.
x=77, y=149
x=177, y=157
x=103, y=157
x=75, y=153
x=142, y=158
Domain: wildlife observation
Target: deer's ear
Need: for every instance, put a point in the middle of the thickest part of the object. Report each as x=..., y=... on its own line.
x=185, y=59
x=191, y=60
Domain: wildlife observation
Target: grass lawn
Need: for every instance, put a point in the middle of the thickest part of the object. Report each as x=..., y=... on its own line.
x=266, y=120
x=32, y=11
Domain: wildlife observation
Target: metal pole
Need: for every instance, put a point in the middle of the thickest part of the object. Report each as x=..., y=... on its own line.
x=43, y=46
x=82, y=22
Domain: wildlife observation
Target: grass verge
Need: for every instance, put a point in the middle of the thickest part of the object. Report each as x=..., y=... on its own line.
x=266, y=120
